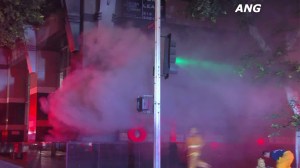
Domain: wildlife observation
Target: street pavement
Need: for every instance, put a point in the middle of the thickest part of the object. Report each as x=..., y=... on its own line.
x=35, y=159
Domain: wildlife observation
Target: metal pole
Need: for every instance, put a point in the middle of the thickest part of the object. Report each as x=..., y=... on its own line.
x=7, y=102
x=293, y=100
x=156, y=157
x=297, y=147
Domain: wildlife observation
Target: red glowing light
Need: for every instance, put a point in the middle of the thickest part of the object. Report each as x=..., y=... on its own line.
x=173, y=136
x=260, y=141
x=32, y=117
x=214, y=145
x=137, y=134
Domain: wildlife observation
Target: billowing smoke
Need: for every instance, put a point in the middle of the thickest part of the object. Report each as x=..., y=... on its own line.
x=98, y=99
x=209, y=94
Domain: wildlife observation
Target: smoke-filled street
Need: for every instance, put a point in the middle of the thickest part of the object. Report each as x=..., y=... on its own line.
x=200, y=83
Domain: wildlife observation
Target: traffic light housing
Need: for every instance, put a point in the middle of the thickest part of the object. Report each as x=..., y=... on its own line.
x=168, y=53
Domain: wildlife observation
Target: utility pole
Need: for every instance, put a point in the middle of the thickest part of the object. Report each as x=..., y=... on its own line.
x=157, y=139
x=293, y=99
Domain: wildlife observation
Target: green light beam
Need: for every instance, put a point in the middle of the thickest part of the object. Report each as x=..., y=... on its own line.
x=203, y=64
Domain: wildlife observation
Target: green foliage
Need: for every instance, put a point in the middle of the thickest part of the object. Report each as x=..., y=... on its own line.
x=212, y=9
x=203, y=9
x=271, y=68
x=294, y=122
x=14, y=14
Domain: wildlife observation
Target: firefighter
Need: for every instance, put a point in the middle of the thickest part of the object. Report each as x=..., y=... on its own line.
x=194, y=144
x=283, y=158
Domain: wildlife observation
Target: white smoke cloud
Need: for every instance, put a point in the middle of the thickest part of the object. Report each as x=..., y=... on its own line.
x=100, y=97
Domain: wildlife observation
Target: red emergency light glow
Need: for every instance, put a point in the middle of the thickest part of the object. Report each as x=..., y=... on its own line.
x=214, y=145
x=137, y=134
x=260, y=141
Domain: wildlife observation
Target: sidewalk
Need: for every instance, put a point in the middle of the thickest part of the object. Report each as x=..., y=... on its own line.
x=35, y=159
x=6, y=164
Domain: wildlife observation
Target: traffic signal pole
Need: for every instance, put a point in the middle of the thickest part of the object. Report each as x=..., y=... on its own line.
x=157, y=75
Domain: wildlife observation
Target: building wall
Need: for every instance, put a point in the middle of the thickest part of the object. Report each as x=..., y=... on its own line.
x=3, y=83
x=19, y=75
x=34, y=73
x=48, y=66
x=12, y=102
